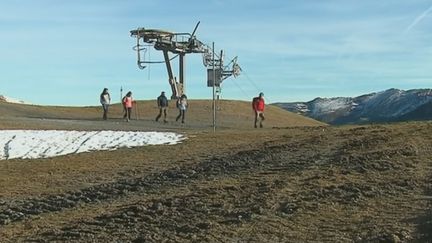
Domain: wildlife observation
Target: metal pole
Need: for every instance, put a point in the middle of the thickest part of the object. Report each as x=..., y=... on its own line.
x=181, y=74
x=171, y=80
x=136, y=111
x=121, y=99
x=219, y=77
x=214, y=100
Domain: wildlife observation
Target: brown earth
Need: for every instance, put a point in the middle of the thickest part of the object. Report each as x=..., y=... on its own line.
x=296, y=180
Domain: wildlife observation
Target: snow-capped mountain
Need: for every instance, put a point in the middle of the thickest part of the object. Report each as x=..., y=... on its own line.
x=385, y=106
x=11, y=100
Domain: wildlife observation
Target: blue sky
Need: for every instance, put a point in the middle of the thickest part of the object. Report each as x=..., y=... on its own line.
x=66, y=52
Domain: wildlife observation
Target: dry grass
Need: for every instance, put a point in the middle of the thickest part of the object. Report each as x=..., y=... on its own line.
x=22, y=178
x=344, y=184
x=230, y=114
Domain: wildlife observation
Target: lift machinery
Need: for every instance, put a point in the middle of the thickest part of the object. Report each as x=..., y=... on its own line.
x=181, y=44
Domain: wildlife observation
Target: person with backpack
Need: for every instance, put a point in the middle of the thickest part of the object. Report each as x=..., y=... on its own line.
x=127, y=105
x=182, y=105
x=105, y=100
x=162, y=103
x=258, y=107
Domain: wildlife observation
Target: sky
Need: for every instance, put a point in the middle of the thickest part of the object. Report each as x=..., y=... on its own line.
x=35, y=144
x=66, y=52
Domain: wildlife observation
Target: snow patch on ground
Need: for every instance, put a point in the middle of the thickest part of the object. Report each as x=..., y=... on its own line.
x=32, y=144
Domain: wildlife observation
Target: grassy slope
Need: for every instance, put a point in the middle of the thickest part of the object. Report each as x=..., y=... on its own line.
x=229, y=114
x=313, y=184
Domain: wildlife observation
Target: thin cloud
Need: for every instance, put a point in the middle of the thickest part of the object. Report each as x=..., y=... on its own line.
x=418, y=19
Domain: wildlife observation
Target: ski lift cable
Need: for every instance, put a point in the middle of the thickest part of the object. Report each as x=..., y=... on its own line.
x=240, y=88
x=252, y=82
x=258, y=89
x=148, y=66
x=157, y=62
x=135, y=48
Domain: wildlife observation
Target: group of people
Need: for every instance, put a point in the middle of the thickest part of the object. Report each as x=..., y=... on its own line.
x=128, y=102
x=258, y=105
x=162, y=103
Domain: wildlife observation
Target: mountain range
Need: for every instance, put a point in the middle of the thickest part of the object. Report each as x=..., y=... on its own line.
x=391, y=105
x=11, y=100
x=386, y=106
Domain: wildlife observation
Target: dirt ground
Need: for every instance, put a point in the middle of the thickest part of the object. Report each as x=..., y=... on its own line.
x=286, y=184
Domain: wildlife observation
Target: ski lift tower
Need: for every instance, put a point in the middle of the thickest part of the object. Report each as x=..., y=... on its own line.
x=181, y=44
x=165, y=41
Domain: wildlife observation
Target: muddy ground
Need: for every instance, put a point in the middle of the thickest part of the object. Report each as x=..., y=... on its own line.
x=302, y=184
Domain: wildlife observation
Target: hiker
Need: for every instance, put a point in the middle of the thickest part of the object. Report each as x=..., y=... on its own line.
x=127, y=105
x=105, y=100
x=162, y=103
x=182, y=105
x=258, y=107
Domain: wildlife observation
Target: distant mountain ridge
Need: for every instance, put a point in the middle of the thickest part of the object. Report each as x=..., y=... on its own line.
x=11, y=100
x=385, y=106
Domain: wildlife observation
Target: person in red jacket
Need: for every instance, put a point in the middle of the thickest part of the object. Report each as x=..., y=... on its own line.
x=258, y=107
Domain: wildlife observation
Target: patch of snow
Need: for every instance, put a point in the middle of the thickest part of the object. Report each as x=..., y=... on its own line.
x=302, y=108
x=32, y=144
x=331, y=105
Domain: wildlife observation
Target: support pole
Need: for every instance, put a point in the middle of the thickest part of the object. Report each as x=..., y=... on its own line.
x=138, y=51
x=181, y=73
x=171, y=79
x=214, y=90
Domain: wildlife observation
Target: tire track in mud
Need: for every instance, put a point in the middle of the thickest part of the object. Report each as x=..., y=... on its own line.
x=195, y=212
x=12, y=211
x=193, y=216
x=163, y=212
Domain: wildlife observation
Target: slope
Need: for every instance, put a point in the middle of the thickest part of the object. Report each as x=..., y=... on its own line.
x=235, y=114
x=423, y=112
x=333, y=184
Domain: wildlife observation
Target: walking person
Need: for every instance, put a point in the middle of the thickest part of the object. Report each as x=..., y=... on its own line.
x=127, y=105
x=182, y=105
x=258, y=107
x=105, y=100
x=162, y=103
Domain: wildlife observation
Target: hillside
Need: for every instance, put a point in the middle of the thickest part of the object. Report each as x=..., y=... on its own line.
x=386, y=106
x=239, y=184
x=236, y=114
x=423, y=112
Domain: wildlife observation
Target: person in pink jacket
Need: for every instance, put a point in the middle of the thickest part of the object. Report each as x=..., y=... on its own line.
x=127, y=105
x=258, y=105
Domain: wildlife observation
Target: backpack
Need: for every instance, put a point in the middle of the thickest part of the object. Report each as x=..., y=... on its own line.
x=255, y=101
x=162, y=101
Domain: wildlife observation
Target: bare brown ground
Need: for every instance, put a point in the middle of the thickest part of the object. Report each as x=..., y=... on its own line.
x=293, y=181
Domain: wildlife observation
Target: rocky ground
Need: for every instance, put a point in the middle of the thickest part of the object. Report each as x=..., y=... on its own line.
x=316, y=184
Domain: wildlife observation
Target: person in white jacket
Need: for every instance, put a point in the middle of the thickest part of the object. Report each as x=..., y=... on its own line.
x=182, y=105
x=105, y=100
